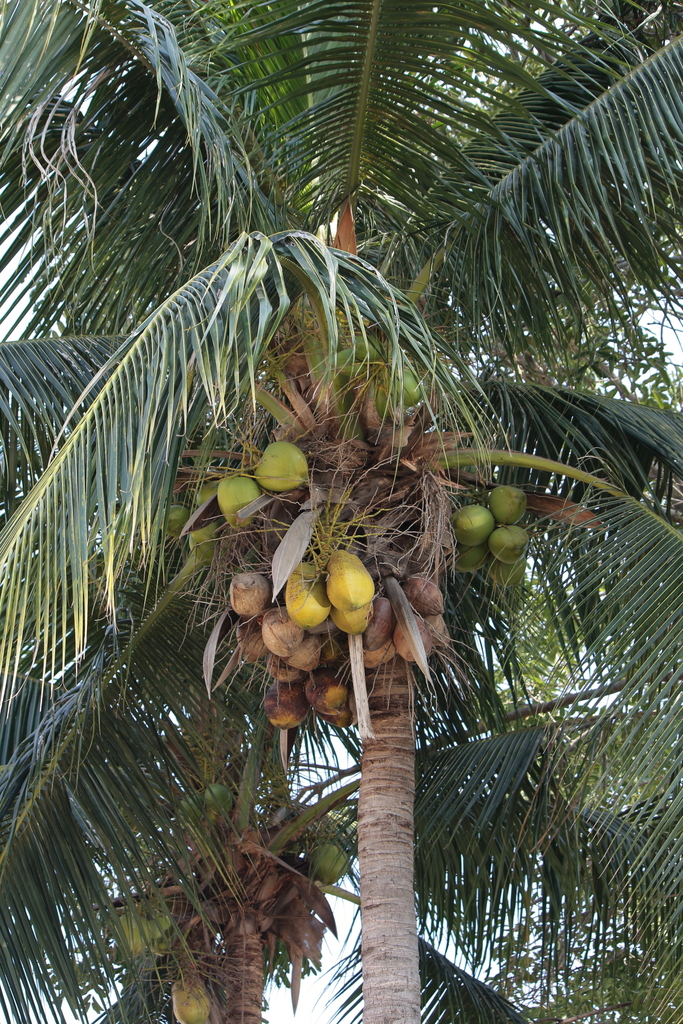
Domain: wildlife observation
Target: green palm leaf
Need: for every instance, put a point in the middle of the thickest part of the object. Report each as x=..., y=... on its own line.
x=166, y=193
x=591, y=211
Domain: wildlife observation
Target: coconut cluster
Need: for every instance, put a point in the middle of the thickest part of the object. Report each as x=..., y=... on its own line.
x=492, y=537
x=303, y=642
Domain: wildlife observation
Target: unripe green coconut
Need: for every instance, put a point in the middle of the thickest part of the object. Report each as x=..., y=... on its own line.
x=505, y=574
x=472, y=525
x=190, y=1003
x=177, y=517
x=202, y=546
x=471, y=559
x=218, y=801
x=234, y=493
x=507, y=504
x=283, y=467
x=133, y=930
x=207, y=491
x=508, y=543
x=191, y=809
x=329, y=863
x=159, y=935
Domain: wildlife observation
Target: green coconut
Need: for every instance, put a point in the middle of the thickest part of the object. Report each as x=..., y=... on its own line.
x=508, y=543
x=191, y=1004
x=218, y=801
x=472, y=525
x=234, y=493
x=134, y=933
x=202, y=545
x=283, y=467
x=471, y=559
x=329, y=863
x=207, y=491
x=507, y=574
x=159, y=935
x=177, y=517
x=191, y=809
x=507, y=504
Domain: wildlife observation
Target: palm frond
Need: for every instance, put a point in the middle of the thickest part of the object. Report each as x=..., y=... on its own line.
x=166, y=191
x=40, y=383
x=370, y=106
x=592, y=211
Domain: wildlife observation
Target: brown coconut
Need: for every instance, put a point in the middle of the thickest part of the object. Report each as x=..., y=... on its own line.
x=382, y=625
x=333, y=650
x=439, y=630
x=401, y=644
x=250, y=594
x=307, y=655
x=326, y=692
x=425, y=596
x=342, y=719
x=252, y=646
x=285, y=705
x=284, y=673
x=280, y=634
x=373, y=659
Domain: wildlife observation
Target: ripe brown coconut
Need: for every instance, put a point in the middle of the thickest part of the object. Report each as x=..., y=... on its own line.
x=381, y=626
x=424, y=595
x=326, y=692
x=403, y=647
x=250, y=594
x=286, y=705
x=280, y=634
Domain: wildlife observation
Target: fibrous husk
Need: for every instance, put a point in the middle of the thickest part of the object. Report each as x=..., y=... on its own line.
x=373, y=659
x=439, y=630
x=249, y=594
x=307, y=655
x=424, y=596
x=280, y=634
x=252, y=646
x=326, y=692
x=403, y=647
x=382, y=625
x=285, y=704
x=282, y=671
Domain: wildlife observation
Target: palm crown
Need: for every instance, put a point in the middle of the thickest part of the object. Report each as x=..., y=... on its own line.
x=179, y=176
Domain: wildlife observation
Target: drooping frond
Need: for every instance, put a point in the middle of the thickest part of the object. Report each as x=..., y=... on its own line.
x=591, y=212
x=40, y=383
x=162, y=191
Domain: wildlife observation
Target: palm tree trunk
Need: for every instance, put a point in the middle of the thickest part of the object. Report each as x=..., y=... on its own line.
x=243, y=979
x=391, y=979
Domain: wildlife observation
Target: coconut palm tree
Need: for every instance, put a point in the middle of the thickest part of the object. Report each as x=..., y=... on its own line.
x=200, y=195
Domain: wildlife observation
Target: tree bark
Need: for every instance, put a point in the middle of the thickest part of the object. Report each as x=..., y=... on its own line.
x=243, y=979
x=391, y=979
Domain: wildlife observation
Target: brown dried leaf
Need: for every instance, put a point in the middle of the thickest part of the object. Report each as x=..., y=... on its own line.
x=554, y=507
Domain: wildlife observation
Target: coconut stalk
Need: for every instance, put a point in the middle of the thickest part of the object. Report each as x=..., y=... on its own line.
x=360, y=690
x=391, y=979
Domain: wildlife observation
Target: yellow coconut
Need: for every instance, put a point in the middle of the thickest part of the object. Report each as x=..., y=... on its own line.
x=233, y=494
x=282, y=468
x=306, y=597
x=190, y=1003
x=349, y=584
x=352, y=622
